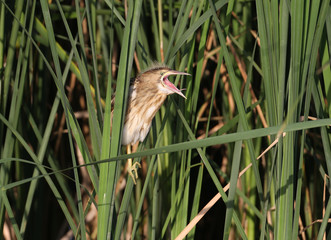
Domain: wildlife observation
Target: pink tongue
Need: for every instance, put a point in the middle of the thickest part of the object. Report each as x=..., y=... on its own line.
x=170, y=85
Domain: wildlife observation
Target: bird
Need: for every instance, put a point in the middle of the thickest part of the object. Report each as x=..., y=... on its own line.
x=147, y=93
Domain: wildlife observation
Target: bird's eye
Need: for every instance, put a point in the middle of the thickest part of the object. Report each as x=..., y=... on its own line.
x=162, y=73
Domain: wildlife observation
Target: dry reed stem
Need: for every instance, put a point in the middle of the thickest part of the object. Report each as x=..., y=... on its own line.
x=212, y=202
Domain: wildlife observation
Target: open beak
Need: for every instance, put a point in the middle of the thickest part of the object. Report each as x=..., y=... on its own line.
x=169, y=84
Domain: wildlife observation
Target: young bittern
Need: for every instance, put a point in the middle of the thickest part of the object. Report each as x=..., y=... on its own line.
x=146, y=95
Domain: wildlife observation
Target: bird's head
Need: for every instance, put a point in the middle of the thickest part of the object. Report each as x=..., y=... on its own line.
x=157, y=78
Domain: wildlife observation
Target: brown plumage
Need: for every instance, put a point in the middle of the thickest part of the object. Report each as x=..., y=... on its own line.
x=146, y=95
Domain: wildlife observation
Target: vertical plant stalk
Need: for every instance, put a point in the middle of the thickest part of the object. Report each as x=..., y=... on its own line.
x=107, y=173
x=4, y=90
x=160, y=16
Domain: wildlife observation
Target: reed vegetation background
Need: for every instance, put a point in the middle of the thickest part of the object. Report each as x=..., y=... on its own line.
x=260, y=80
